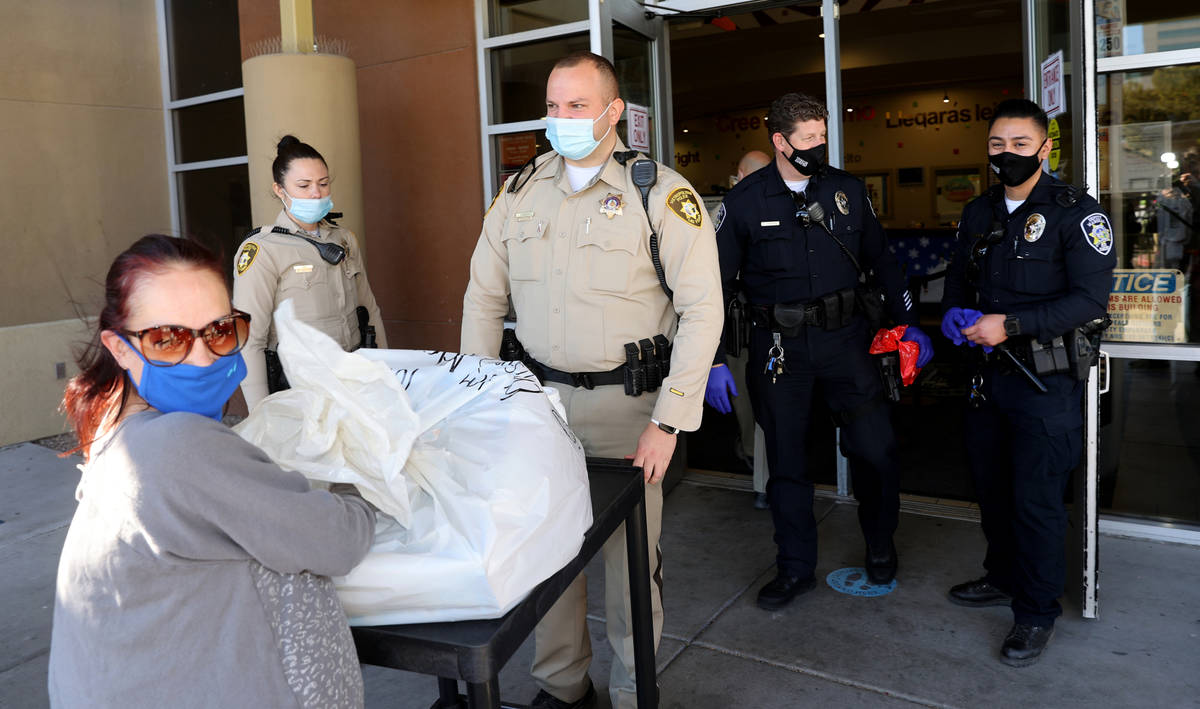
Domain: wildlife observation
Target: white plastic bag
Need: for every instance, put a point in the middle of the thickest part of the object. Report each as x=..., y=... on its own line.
x=482, y=486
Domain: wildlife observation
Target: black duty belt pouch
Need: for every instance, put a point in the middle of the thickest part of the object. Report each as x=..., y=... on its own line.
x=735, y=334
x=790, y=318
x=276, y=379
x=1050, y=357
x=839, y=308
x=869, y=299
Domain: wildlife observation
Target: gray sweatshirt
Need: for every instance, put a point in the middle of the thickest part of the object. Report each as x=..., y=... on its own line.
x=196, y=574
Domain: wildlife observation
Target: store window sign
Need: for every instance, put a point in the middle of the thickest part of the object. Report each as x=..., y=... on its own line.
x=1052, y=85
x=1055, y=136
x=1147, y=306
x=1109, y=23
x=516, y=149
x=639, y=127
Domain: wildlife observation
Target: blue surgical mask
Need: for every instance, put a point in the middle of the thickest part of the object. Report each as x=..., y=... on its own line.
x=572, y=137
x=186, y=387
x=309, y=211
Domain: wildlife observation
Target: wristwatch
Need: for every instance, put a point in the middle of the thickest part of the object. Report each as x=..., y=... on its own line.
x=1012, y=325
x=665, y=427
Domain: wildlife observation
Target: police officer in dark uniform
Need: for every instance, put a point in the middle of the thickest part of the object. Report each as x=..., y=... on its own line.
x=799, y=233
x=1032, y=264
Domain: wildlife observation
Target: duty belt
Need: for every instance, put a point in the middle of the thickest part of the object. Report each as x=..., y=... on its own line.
x=647, y=364
x=830, y=312
x=586, y=380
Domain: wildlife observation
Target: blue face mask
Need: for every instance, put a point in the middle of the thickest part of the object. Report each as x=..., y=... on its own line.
x=309, y=211
x=186, y=387
x=572, y=137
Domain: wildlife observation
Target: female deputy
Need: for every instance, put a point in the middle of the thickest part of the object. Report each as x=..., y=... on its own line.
x=195, y=571
x=305, y=257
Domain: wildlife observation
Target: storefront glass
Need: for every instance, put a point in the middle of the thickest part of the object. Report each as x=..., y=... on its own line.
x=214, y=208
x=509, y=16
x=519, y=76
x=1149, y=441
x=1129, y=27
x=210, y=131
x=1149, y=155
x=633, y=61
x=204, y=46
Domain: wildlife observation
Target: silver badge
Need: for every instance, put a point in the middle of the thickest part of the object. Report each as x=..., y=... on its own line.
x=842, y=202
x=1034, y=226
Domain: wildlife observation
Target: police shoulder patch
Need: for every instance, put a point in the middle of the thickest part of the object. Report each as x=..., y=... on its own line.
x=1098, y=232
x=719, y=218
x=684, y=205
x=246, y=257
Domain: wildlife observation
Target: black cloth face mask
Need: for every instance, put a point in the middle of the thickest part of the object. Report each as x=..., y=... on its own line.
x=807, y=162
x=1013, y=169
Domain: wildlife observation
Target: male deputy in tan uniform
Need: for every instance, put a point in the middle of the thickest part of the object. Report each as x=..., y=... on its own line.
x=572, y=245
x=272, y=267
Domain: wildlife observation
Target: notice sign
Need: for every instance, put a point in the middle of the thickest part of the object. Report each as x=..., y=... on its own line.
x=1146, y=306
x=1053, y=102
x=639, y=127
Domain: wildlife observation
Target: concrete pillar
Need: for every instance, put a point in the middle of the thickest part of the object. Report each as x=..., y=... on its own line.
x=315, y=98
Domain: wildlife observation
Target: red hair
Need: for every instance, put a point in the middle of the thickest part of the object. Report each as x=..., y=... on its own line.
x=101, y=388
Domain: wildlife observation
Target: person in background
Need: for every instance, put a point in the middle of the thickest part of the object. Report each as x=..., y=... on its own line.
x=571, y=239
x=801, y=274
x=727, y=382
x=1033, y=262
x=195, y=570
x=308, y=258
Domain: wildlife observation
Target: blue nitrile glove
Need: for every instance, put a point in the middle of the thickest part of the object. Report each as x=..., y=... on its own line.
x=953, y=322
x=914, y=334
x=720, y=385
x=971, y=317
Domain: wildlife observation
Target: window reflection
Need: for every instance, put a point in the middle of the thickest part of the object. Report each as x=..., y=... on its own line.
x=1149, y=153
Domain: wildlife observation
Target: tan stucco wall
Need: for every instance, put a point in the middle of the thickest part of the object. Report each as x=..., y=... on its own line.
x=32, y=391
x=84, y=174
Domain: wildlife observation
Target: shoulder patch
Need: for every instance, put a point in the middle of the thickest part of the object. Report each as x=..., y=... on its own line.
x=246, y=257
x=720, y=217
x=684, y=205
x=1098, y=232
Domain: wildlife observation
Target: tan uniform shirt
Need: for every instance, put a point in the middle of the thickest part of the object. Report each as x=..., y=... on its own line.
x=271, y=268
x=579, y=270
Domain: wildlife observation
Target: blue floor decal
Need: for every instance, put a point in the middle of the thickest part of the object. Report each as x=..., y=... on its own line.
x=853, y=581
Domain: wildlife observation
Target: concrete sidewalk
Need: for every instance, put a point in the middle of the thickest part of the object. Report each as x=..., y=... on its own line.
x=911, y=647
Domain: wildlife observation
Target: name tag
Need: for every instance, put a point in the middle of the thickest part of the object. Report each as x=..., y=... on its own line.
x=775, y=223
x=524, y=216
x=303, y=268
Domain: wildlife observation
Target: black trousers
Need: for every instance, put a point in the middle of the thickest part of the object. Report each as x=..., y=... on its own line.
x=836, y=366
x=1022, y=446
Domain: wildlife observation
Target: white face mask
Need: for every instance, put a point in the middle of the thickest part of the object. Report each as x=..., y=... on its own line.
x=572, y=137
x=308, y=211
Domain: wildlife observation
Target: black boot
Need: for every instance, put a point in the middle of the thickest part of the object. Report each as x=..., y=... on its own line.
x=881, y=563
x=1024, y=644
x=978, y=594
x=780, y=592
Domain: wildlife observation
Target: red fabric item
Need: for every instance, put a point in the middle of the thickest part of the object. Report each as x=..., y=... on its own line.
x=889, y=340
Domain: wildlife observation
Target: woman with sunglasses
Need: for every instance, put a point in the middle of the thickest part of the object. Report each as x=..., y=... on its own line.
x=195, y=570
x=306, y=257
